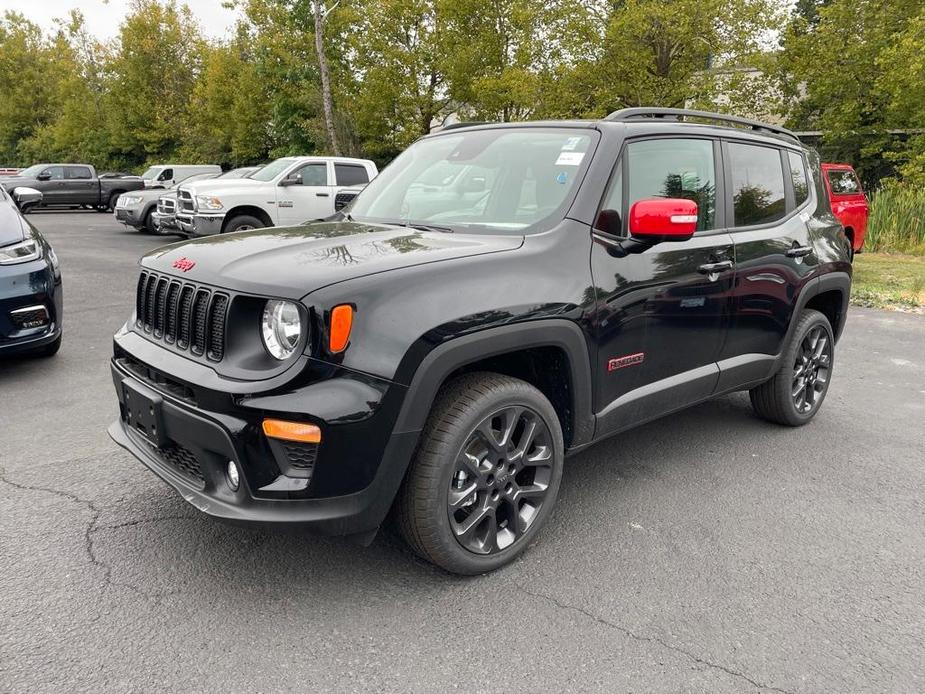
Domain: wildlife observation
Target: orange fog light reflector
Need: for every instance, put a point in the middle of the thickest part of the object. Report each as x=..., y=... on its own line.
x=291, y=431
x=341, y=323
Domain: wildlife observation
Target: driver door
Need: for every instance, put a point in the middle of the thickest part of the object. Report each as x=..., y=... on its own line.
x=54, y=187
x=305, y=194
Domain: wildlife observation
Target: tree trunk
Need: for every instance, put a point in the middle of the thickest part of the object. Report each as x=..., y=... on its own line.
x=325, y=79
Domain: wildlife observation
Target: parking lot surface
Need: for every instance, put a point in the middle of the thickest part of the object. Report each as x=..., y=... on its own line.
x=708, y=551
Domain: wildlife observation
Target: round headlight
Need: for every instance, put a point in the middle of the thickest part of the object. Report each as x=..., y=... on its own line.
x=282, y=328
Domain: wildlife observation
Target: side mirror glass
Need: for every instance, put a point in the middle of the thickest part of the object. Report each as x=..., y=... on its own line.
x=26, y=197
x=663, y=219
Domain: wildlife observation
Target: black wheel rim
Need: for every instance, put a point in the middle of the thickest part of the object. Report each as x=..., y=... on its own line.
x=500, y=480
x=811, y=370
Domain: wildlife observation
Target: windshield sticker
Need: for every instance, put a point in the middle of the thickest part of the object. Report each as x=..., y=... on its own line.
x=570, y=158
x=562, y=177
x=570, y=144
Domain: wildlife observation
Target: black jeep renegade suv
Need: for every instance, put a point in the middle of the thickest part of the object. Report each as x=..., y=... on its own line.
x=499, y=297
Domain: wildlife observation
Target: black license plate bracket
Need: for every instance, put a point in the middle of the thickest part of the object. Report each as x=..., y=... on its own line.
x=143, y=410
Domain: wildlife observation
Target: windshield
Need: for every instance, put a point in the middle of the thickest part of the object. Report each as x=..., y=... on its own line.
x=33, y=171
x=272, y=170
x=151, y=173
x=504, y=179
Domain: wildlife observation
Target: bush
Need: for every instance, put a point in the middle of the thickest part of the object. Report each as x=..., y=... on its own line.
x=897, y=220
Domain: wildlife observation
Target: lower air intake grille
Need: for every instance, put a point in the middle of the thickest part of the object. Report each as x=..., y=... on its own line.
x=301, y=455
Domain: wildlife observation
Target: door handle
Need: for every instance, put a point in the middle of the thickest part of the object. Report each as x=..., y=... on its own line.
x=713, y=268
x=799, y=251
x=323, y=195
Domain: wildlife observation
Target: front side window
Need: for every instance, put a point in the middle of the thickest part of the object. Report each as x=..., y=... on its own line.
x=674, y=168
x=798, y=176
x=351, y=175
x=498, y=179
x=843, y=182
x=757, y=184
x=313, y=174
x=166, y=175
x=55, y=173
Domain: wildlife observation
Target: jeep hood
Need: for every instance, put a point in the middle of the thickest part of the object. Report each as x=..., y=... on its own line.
x=11, y=225
x=292, y=262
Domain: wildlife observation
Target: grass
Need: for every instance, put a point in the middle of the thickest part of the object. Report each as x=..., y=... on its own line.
x=891, y=281
x=897, y=220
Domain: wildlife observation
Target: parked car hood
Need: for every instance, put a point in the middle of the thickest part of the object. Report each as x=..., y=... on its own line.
x=12, y=227
x=292, y=262
x=149, y=194
x=221, y=185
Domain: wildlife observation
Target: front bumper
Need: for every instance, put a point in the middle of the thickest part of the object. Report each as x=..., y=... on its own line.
x=200, y=224
x=28, y=285
x=125, y=215
x=198, y=443
x=164, y=221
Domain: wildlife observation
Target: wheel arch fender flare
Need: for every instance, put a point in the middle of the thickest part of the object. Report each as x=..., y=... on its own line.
x=443, y=360
x=832, y=281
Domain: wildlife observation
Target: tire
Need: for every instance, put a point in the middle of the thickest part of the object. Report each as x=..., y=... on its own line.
x=49, y=350
x=111, y=204
x=455, y=463
x=148, y=225
x=788, y=398
x=243, y=222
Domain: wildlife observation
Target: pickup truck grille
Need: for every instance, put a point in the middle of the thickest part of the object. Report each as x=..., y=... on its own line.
x=185, y=201
x=187, y=316
x=342, y=199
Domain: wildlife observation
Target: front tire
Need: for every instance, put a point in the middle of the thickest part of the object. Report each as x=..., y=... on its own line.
x=485, y=476
x=795, y=393
x=243, y=222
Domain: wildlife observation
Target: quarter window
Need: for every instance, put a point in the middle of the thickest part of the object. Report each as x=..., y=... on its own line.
x=350, y=175
x=798, y=176
x=673, y=168
x=757, y=184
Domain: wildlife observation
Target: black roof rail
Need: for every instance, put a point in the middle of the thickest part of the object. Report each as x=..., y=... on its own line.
x=464, y=124
x=640, y=113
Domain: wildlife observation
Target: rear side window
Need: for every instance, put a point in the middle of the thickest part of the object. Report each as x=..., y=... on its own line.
x=843, y=182
x=798, y=176
x=672, y=168
x=350, y=175
x=81, y=172
x=757, y=184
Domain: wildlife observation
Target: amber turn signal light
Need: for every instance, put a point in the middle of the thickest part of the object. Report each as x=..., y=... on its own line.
x=341, y=323
x=291, y=431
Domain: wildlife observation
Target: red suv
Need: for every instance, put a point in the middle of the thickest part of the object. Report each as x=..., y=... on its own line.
x=848, y=202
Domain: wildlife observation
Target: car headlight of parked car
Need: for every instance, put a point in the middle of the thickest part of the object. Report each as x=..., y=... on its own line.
x=281, y=328
x=125, y=200
x=207, y=202
x=21, y=252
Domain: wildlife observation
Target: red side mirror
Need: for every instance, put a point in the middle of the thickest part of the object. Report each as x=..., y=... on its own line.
x=663, y=219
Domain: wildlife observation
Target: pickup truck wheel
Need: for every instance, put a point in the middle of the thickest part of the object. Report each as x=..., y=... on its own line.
x=243, y=222
x=485, y=476
x=795, y=393
x=111, y=205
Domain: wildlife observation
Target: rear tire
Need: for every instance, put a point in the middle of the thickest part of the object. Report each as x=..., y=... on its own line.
x=244, y=222
x=149, y=223
x=485, y=476
x=795, y=393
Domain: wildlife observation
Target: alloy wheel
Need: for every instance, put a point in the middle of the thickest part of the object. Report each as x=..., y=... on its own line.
x=811, y=369
x=500, y=480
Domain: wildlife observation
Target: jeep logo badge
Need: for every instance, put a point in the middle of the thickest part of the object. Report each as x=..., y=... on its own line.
x=184, y=264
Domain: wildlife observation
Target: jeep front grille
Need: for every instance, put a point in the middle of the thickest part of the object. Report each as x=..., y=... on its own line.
x=182, y=314
x=166, y=205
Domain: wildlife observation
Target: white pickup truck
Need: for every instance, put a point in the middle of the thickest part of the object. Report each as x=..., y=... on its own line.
x=285, y=192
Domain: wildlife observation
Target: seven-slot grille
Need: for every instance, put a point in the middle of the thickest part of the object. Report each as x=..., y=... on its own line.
x=182, y=314
x=185, y=201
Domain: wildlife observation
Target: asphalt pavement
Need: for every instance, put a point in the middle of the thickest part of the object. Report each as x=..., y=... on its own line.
x=706, y=552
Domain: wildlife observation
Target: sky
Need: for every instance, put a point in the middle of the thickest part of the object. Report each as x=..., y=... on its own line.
x=103, y=18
